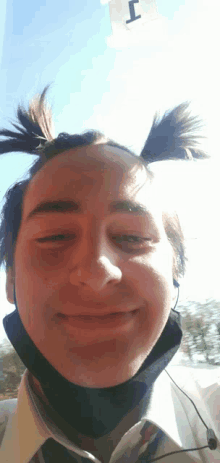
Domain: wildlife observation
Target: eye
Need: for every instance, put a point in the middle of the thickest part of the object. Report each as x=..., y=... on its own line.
x=130, y=243
x=56, y=239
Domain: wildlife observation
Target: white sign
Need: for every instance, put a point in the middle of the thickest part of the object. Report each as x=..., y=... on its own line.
x=129, y=15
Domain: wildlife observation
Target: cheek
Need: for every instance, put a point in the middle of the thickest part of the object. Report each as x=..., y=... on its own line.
x=33, y=284
x=152, y=276
x=44, y=261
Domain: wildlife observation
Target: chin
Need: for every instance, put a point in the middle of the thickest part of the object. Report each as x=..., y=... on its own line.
x=107, y=372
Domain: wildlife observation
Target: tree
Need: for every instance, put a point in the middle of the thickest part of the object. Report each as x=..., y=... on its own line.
x=12, y=369
x=201, y=331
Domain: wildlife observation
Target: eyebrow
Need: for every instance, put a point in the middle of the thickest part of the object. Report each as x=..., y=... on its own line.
x=128, y=207
x=62, y=207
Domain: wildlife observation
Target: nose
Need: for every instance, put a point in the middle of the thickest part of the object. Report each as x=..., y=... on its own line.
x=96, y=274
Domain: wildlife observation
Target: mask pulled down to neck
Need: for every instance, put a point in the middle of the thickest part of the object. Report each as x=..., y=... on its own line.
x=93, y=412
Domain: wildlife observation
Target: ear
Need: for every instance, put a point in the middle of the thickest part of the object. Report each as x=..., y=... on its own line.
x=10, y=282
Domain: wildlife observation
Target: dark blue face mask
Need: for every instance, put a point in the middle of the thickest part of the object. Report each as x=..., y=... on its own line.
x=92, y=412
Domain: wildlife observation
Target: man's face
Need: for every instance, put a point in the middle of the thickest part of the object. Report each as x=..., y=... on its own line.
x=93, y=277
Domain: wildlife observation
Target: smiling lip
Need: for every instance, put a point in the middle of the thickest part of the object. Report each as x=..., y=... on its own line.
x=100, y=314
x=117, y=321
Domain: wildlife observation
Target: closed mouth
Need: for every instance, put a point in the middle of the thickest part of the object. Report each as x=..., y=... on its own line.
x=92, y=316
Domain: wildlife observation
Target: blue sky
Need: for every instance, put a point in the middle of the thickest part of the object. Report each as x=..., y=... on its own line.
x=64, y=43
x=117, y=89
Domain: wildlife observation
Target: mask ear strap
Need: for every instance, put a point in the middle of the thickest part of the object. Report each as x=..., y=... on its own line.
x=15, y=302
x=176, y=284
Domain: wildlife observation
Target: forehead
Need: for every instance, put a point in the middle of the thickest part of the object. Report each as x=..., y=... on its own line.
x=99, y=171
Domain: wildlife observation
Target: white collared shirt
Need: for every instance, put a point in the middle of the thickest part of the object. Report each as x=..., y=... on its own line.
x=23, y=430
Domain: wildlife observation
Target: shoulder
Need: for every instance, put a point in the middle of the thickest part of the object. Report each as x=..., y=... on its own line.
x=7, y=407
x=204, y=376
x=202, y=385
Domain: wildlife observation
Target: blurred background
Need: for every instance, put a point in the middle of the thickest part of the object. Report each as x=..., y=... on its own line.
x=116, y=84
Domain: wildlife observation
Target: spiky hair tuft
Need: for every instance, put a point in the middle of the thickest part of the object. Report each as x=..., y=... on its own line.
x=174, y=136
x=33, y=126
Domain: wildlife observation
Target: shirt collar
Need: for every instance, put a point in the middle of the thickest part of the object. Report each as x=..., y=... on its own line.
x=28, y=431
x=25, y=431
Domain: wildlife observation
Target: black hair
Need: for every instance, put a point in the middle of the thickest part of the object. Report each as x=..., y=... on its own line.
x=172, y=137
